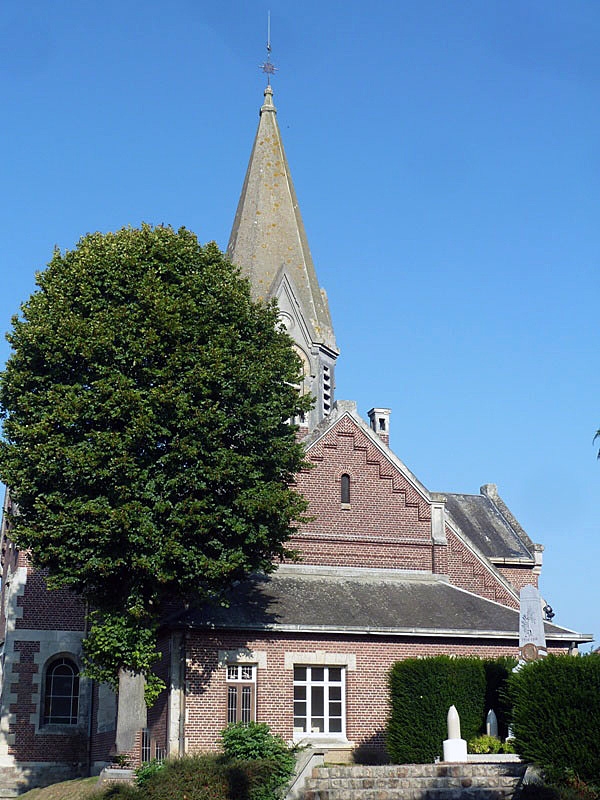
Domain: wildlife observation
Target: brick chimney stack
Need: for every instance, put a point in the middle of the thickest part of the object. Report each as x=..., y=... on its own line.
x=380, y=423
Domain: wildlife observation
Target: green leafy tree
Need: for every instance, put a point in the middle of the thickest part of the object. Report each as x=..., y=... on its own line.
x=146, y=438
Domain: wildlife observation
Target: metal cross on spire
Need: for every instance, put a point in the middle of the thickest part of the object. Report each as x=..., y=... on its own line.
x=267, y=66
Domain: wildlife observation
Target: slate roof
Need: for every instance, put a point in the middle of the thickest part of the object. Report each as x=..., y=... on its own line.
x=353, y=601
x=489, y=530
x=268, y=233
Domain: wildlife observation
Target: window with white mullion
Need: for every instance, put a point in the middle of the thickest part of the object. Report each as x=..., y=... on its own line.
x=241, y=693
x=319, y=700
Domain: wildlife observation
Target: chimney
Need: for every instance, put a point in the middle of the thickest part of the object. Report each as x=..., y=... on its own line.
x=380, y=423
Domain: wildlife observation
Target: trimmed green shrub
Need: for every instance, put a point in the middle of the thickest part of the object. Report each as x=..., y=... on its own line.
x=556, y=715
x=497, y=672
x=421, y=692
x=203, y=777
x=255, y=741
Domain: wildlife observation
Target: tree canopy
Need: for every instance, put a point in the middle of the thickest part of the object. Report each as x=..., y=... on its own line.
x=147, y=442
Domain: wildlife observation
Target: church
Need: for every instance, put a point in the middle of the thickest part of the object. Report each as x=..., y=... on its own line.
x=388, y=569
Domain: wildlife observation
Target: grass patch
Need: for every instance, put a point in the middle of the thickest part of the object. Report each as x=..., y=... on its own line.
x=83, y=789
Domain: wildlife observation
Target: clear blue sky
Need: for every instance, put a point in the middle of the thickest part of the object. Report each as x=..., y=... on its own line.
x=446, y=157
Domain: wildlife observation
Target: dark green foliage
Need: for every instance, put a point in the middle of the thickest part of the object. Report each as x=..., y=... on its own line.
x=255, y=741
x=538, y=791
x=421, y=692
x=556, y=715
x=202, y=777
x=496, y=675
x=146, y=444
x=121, y=791
x=147, y=771
x=572, y=789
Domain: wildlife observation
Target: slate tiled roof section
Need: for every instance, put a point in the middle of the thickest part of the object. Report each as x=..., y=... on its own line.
x=489, y=530
x=362, y=602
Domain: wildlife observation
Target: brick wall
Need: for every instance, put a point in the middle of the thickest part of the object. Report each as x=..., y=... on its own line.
x=387, y=522
x=58, y=609
x=70, y=747
x=366, y=687
x=470, y=573
x=519, y=576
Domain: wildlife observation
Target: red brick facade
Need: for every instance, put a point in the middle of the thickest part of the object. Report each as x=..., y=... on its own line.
x=386, y=522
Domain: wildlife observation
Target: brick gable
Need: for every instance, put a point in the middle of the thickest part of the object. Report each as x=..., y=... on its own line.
x=387, y=522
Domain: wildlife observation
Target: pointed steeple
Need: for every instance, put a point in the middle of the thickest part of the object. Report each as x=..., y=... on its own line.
x=268, y=242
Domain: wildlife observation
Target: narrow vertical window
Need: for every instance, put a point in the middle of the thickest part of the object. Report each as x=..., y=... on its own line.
x=345, y=489
x=146, y=746
x=241, y=693
x=61, y=693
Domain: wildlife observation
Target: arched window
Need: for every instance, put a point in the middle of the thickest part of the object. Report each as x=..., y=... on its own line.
x=61, y=693
x=345, y=489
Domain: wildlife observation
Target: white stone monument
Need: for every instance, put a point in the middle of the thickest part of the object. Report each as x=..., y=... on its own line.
x=131, y=710
x=491, y=724
x=455, y=748
x=532, y=638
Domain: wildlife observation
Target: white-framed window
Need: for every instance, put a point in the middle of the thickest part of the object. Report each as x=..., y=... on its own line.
x=319, y=701
x=241, y=693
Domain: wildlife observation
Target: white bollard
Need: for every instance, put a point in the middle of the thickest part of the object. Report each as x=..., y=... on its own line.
x=455, y=748
x=491, y=724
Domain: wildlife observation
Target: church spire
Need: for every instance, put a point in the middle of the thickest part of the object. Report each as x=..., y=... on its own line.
x=268, y=242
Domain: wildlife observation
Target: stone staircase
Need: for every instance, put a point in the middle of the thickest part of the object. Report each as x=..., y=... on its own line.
x=415, y=782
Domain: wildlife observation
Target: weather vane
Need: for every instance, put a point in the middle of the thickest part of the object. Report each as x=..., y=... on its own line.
x=268, y=67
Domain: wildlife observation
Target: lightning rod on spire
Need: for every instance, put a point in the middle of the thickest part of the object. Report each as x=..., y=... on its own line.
x=268, y=67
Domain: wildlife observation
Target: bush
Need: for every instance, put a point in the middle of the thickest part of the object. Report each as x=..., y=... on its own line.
x=421, y=692
x=121, y=791
x=571, y=790
x=203, y=777
x=485, y=744
x=556, y=716
x=147, y=770
x=490, y=745
x=255, y=741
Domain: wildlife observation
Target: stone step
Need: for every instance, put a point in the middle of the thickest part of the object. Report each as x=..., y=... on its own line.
x=415, y=782
x=408, y=794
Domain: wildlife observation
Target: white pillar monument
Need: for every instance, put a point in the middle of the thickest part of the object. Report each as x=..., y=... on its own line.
x=455, y=748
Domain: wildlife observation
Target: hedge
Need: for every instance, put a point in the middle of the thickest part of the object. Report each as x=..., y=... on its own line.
x=421, y=692
x=556, y=715
x=496, y=675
